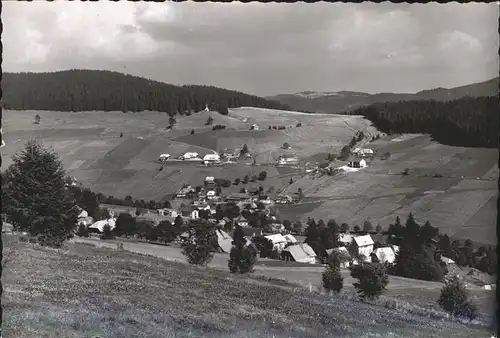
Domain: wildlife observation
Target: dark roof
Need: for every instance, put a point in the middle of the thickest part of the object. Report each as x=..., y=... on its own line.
x=249, y=231
x=379, y=238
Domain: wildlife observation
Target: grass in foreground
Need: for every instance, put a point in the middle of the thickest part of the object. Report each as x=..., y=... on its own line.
x=87, y=292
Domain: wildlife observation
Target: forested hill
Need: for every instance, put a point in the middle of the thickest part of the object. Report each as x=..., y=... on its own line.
x=468, y=122
x=86, y=90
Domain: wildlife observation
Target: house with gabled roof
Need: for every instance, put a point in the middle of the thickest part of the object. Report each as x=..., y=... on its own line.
x=302, y=253
x=364, y=245
x=279, y=241
x=384, y=255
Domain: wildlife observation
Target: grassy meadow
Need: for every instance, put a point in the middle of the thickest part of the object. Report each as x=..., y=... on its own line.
x=83, y=291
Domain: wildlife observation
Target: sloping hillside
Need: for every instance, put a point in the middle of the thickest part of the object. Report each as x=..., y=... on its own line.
x=336, y=102
x=455, y=188
x=85, y=291
x=87, y=90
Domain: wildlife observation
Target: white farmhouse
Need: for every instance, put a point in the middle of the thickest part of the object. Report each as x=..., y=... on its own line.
x=279, y=241
x=211, y=158
x=211, y=194
x=358, y=164
x=255, y=126
x=99, y=225
x=189, y=155
x=364, y=245
x=302, y=253
x=385, y=255
x=363, y=152
x=164, y=157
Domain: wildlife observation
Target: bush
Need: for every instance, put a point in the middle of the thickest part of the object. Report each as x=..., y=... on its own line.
x=241, y=259
x=454, y=299
x=82, y=230
x=406, y=171
x=372, y=280
x=298, y=125
x=192, y=132
x=200, y=246
x=107, y=233
x=262, y=175
x=332, y=279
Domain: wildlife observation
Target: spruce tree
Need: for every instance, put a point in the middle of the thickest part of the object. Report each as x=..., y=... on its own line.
x=35, y=197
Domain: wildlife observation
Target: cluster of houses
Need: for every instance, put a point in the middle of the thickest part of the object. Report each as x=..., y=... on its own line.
x=208, y=159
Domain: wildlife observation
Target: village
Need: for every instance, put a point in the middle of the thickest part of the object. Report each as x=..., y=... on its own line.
x=250, y=207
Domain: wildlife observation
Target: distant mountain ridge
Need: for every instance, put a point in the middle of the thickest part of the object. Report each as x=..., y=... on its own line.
x=87, y=90
x=336, y=102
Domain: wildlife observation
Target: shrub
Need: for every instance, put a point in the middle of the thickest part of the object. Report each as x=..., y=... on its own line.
x=241, y=259
x=82, y=230
x=285, y=145
x=406, y=171
x=454, y=299
x=372, y=280
x=332, y=279
x=236, y=181
x=107, y=233
x=192, y=132
x=210, y=120
x=200, y=245
x=121, y=134
x=262, y=175
x=298, y=125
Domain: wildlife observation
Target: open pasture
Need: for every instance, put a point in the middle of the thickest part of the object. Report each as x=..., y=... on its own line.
x=452, y=202
x=86, y=291
x=198, y=120
x=319, y=133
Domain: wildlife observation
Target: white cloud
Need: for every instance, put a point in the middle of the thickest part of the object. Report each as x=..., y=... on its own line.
x=259, y=48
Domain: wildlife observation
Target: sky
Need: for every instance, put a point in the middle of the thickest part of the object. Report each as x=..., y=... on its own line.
x=259, y=48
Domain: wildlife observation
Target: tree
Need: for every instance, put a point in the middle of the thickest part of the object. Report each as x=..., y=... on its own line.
x=223, y=110
x=297, y=227
x=264, y=245
x=367, y=226
x=201, y=244
x=245, y=179
x=291, y=181
x=285, y=145
x=244, y=150
x=357, y=229
x=37, y=119
x=372, y=280
x=262, y=175
x=172, y=121
x=121, y=134
x=192, y=132
x=35, y=198
x=82, y=230
x=125, y=225
x=166, y=231
x=301, y=194
x=236, y=181
x=210, y=120
x=241, y=259
x=332, y=279
x=178, y=222
x=107, y=233
x=344, y=228
x=418, y=262
x=378, y=229
x=287, y=224
x=455, y=300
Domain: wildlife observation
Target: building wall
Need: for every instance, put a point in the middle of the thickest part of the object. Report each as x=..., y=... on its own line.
x=365, y=250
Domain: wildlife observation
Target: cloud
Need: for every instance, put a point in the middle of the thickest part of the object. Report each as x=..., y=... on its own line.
x=260, y=48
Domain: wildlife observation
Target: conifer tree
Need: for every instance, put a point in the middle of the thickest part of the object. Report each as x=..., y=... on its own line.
x=35, y=198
